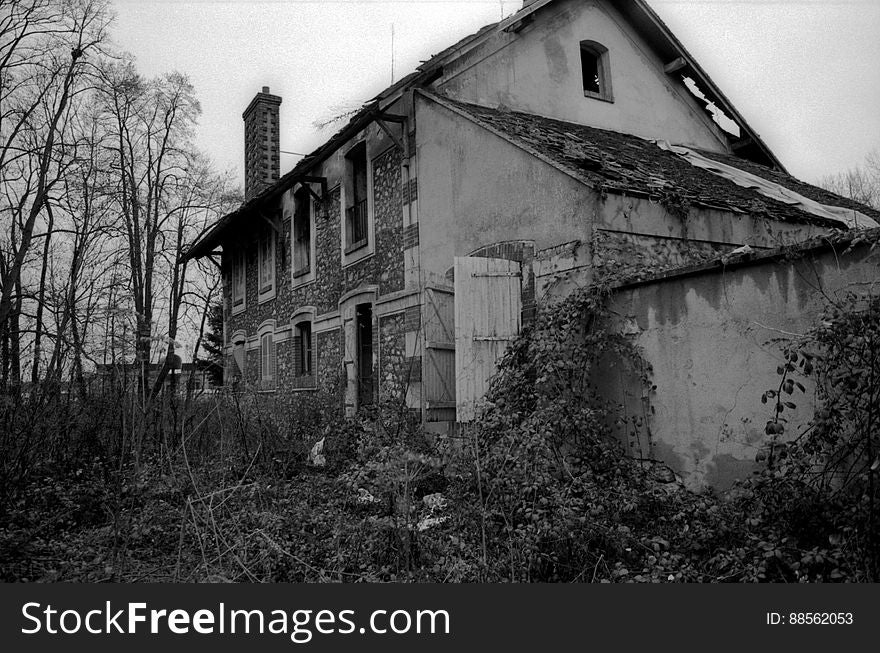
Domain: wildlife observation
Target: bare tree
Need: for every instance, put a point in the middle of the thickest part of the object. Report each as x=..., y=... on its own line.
x=47, y=48
x=861, y=184
x=150, y=123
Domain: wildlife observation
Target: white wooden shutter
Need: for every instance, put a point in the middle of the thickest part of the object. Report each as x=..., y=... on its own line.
x=488, y=315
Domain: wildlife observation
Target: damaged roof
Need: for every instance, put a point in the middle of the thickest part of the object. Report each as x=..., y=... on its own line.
x=649, y=24
x=625, y=164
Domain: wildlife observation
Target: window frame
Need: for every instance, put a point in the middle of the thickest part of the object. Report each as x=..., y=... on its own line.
x=238, y=344
x=239, y=272
x=268, y=371
x=305, y=378
x=603, y=70
x=355, y=251
x=305, y=275
x=266, y=292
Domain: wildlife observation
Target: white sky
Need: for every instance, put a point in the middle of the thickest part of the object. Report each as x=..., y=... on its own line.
x=804, y=73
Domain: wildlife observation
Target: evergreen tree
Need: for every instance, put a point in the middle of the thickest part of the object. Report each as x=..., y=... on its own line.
x=213, y=344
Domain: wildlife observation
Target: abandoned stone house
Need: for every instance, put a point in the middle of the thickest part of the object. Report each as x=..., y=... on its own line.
x=573, y=137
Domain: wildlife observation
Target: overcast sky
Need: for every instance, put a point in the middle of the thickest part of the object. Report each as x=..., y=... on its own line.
x=804, y=73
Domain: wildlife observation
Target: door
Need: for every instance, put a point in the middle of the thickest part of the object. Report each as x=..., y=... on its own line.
x=364, y=353
x=438, y=369
x=488, y=316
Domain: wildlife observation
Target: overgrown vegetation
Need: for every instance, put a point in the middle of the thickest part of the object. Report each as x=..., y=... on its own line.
x=95, y=490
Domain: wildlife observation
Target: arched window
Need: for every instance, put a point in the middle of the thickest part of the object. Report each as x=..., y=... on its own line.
x=237, y=371
x=304, y=349
x=596, y=71
x=267, y=355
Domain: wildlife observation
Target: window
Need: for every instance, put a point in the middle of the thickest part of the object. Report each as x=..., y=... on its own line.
x=305, y=352
x=302, y=233
x=596, y=70
x=266, y=258
x=238, y=360
x=356, y=218
x=364, y=353
x=267, y=358
x=239, y=280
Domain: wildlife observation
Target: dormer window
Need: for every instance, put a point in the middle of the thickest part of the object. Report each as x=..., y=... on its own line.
x=596, y=71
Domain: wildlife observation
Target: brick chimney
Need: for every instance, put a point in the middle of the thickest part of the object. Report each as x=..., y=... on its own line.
x=262, y=166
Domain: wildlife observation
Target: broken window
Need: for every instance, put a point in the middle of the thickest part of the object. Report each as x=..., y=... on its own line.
x=595, y=70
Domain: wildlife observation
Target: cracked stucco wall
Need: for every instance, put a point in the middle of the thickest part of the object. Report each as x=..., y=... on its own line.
x=714, y=341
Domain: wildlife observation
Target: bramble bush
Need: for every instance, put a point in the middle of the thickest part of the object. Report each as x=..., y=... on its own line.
x=536, y=489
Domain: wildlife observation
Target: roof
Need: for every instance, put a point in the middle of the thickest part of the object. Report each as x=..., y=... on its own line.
x=211, y=237
x=625, y=164
x=638, y=11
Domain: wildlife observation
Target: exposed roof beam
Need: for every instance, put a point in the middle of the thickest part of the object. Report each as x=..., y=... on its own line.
x=307, y=181
x=272, y=222
x=675, y=65
x=380, y=120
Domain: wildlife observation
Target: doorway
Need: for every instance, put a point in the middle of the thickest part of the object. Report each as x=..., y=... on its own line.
x=364, y=349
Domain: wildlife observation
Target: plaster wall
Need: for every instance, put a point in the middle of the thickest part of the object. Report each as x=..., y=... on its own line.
x=538, y=71
x=714, y=341
x=476, y=189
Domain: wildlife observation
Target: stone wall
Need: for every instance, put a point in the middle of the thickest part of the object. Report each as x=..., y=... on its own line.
x=627, y=253
x=384, y=269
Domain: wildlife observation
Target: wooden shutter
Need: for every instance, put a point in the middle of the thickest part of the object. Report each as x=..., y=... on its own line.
x=267, y=361
x=488, y=315
x=438, y=365
x=238, y=278
x=266, y=263
x=238, y=357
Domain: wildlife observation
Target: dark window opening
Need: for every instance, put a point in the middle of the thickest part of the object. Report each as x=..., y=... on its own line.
x=595, y=70
x=364, y=333
x=356, y=232
x=302, y=233
x=305, y=353
x=590, y=69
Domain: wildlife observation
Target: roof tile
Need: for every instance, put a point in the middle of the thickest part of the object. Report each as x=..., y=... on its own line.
x=625, y=163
